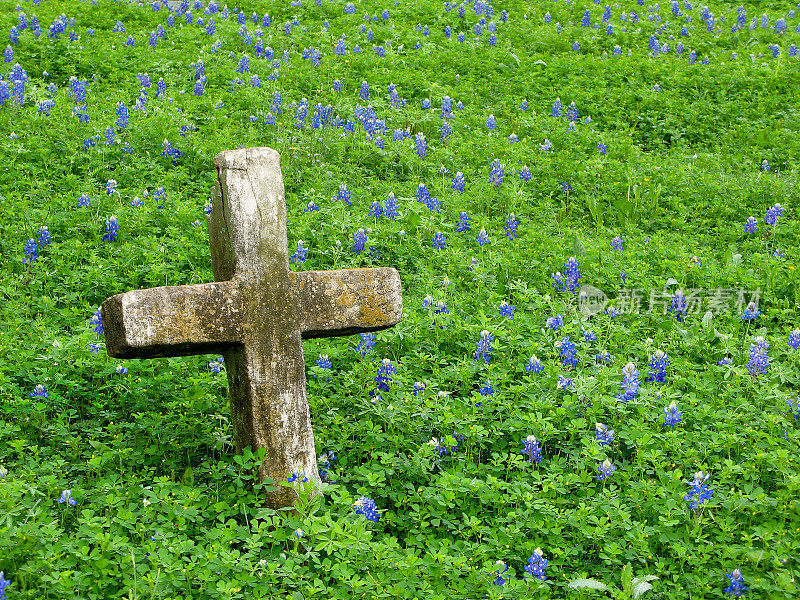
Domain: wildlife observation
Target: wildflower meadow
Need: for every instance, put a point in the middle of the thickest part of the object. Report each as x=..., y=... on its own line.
x=594, y=389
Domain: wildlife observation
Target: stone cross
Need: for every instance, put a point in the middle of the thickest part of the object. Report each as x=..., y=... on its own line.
x=256, y=314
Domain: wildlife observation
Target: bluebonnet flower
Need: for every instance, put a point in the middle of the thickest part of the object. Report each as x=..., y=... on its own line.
x=439, y=242
x=699, y=492
x=572, y=112
x=751, y=225
x=491, y=122
x=216, y=364
x=724, y=362
x=363, y=91
x=630, y=383
x=737, y=588
x=555, y=323
x=297, y=476
x=511, y=226
x=531, y=449
x=359, y=241
x=323, y=362
x=31, y=252
x=97, y=322
x=506, y=310
x=111, y=187
x=758, y=364
x=564, y=383
x=794, y=408
x=445, y=132
x=534, y=365
x=122, y=370
x=751, y=312
x=458, y=182
x=525, y=173
x=603, y=434
x=672, y=416
x=616, y=243
x=537, y=563
x=678, y=306
x=487, y=389
x=366, y=506
x=244, y=64
x=794, y=339
x=463, y=222
x=112, y=229
x=484, y=347
x=366, y=344
x=420, y=145
x=497, y=173
x=375, y=209
x=773, y=213
x=391, y=207
x=523, y=106
x=66, y=496
x=604, y=356
x=659, y=362
x=567, y=352
x=384, y=376
x=589, y=336
x=576, y=47
x=569, y=280
x=39, y=391
x=499, y=571
x=483, y=238
x=344, y=194
x=300, y=254
x=546, y=146
x=605, y=469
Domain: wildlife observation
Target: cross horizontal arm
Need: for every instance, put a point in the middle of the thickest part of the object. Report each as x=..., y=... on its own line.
x=348, y=301
x=172, y=320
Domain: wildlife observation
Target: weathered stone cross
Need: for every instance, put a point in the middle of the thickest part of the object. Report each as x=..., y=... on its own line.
x=256, y=313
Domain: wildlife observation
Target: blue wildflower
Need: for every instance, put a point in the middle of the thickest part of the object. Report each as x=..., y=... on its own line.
x=112, y=229
x=66, y=496
x=537, y=563
x=546, y=146
x=31, y=252
x=497, y=173
x=630, y=383
x=605, y=469
x=487, y=389
x=794, y=339
x=567, y=352
x=439, y=242
x=737, y=588
x=589, y=336
x=531, y=449
x=758, y=364
x=678, y=306
x=498, y=572
x=555, y=323
x=463, y=222
x=603, y=434
x=483, y=238
x=572, y=112
x=569, y=280
x=525, y=173
x=366, y=344
x=363, y=91
x=366, y=506
x=557, y=108
x=699, y=492
x=659, y=362
x=420, y=145
x=384, y=376
x=300, y=254
x=359, y=241
x=511, y=226
x=773, y=213
x=616, y=243
x=39, y=391
x=672, y=416
x=491, y=122
x=751, y=312
x=484, y=347
x=458, y=182
x=534, y=365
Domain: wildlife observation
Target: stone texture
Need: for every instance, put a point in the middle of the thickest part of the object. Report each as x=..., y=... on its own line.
x=256, y=314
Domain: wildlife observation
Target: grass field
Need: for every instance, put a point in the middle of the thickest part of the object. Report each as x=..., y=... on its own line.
x=593, y=210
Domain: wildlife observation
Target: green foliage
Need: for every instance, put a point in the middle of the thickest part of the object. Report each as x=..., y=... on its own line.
x=166, y=509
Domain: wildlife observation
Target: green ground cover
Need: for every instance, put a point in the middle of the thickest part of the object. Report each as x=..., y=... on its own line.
x=572, y=124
